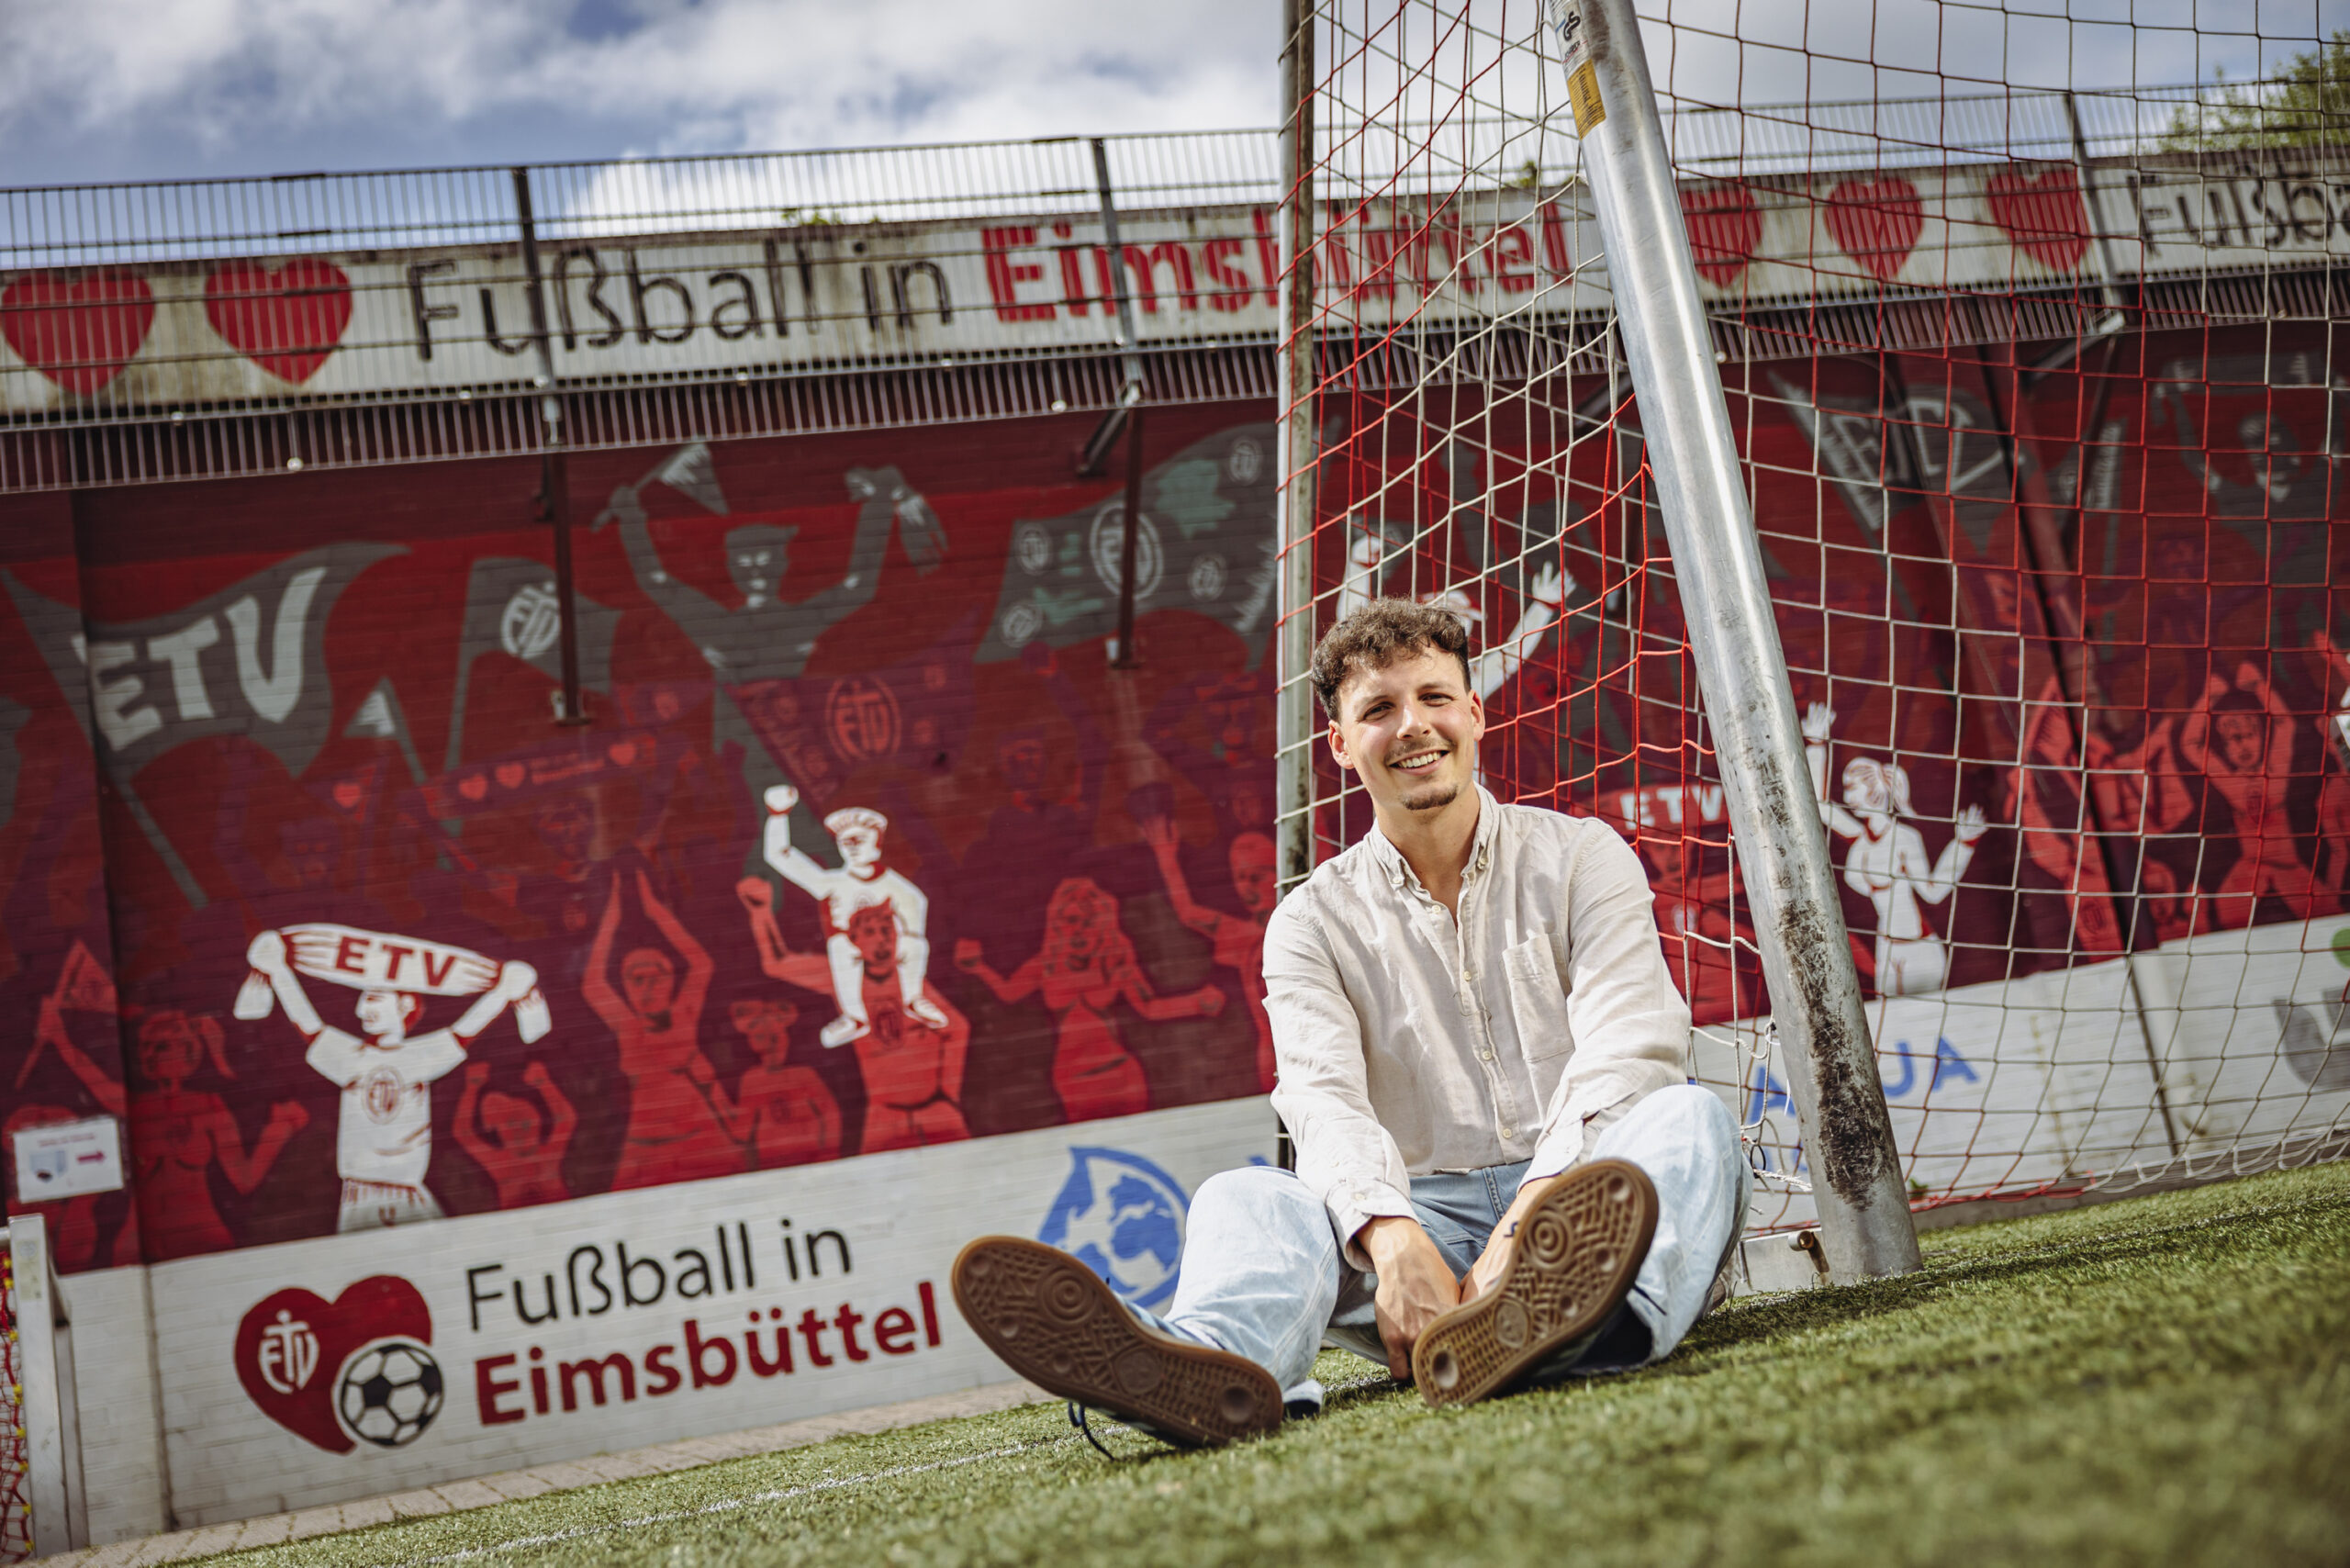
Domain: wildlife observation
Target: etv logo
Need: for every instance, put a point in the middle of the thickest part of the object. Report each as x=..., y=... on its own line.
x=380, y=1383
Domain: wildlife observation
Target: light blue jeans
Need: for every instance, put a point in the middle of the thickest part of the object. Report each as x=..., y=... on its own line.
x=1262, y=1275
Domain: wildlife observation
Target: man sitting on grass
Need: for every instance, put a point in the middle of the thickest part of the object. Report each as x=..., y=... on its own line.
x=1502, y=1172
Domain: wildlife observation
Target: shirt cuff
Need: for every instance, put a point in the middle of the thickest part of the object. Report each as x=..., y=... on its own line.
x=1354, y=1205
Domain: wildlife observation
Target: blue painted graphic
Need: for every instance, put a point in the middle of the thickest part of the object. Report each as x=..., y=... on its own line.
x=1123, y=1217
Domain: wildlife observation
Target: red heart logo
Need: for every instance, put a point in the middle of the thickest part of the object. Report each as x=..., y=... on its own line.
x=473, y=786
x=293, y=1348
x=287, y=320
x=2042, y=213
x=348, y=793
x=79, y=334
x=1876, y=222
x=511, y=774
x=1724, y=227
x=623, y=753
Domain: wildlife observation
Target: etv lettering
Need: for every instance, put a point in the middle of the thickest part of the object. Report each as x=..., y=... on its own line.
x=515, y=1387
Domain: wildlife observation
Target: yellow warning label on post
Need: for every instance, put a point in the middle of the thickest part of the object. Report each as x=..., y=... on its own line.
x=1582, y=90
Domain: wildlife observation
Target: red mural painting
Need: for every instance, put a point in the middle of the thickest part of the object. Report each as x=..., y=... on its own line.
x=865, y=845
x=394, y=946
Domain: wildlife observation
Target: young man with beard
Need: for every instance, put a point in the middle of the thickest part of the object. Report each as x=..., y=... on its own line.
x=1502, y=1172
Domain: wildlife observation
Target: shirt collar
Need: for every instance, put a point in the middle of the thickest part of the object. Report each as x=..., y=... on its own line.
x=1399, y=871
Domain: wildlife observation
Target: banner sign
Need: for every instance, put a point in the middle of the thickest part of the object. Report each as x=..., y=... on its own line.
x=352, y=1366
x=833, y=296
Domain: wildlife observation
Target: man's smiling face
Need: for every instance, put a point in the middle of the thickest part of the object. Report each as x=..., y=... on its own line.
x=1409, y=732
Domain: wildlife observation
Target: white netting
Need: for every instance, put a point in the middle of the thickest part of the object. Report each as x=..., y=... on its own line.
x=2032, y=370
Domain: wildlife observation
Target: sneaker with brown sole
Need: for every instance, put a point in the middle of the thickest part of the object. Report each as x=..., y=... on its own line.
x=1053, y=1322
x=1576, y=1256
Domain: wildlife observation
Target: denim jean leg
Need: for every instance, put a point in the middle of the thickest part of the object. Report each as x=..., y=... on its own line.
x=1686, y=1140
x=1260, y=1274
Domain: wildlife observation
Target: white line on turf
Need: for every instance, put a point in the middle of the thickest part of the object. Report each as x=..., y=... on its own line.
x=730, y=1505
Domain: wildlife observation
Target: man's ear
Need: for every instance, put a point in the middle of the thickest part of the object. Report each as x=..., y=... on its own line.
x=1338, y=747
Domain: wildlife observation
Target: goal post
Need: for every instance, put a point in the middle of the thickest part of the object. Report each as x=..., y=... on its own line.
x=1297, y=437
x=1864, y=1221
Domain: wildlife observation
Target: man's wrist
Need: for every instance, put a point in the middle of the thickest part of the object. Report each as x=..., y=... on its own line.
x=1384, y=1236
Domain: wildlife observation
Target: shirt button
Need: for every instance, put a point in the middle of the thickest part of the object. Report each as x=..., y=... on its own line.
x=1507, y=1134
x=1488, y=1056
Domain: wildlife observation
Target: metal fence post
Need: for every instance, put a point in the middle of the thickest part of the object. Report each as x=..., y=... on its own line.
x=1799, y=925
x=554, y=471
x=1298, y=445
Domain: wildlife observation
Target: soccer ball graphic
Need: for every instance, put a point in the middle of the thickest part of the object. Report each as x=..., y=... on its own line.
x=389, y=1392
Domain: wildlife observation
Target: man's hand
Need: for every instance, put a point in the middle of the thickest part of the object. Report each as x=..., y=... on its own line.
x=781, y=797
x=1416, y=1285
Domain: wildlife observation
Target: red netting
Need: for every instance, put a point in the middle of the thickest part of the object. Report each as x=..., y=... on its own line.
x=2041, y=418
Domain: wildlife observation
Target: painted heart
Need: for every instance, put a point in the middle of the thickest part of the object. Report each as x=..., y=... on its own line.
x=1725, y=227
x=473, y=786
x=292, y=1346
x=81, y=333
x=2042, y=213
x=285, y=320
x=349, y=793
x=511, y=774
x=1876, y=222
x=623, y=753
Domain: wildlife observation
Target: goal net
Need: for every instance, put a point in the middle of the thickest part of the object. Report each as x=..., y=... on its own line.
x=2027, y=330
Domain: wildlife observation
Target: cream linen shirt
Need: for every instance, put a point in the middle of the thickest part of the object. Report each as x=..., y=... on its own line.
x=1410, y=1043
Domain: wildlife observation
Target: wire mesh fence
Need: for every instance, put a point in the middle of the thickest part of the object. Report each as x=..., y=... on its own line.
x=2039, y=396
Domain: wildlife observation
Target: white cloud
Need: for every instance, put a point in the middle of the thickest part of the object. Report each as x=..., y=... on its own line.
x=719, y=75
x=267, y=80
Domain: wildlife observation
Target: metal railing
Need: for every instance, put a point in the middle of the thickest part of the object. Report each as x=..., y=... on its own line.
x=201, y=328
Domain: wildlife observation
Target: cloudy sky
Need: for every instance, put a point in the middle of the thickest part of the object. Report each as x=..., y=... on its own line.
x=143, y=89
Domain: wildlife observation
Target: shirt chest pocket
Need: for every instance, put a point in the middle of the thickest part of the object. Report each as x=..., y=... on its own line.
x=1538, y=997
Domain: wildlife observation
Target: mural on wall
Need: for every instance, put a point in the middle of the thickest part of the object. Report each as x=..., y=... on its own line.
x=63, y=1060
x=2021, y=763
x=865, y=848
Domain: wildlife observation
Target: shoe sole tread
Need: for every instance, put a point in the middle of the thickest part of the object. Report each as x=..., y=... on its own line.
x=1052, y=1320
x=1576, y=1254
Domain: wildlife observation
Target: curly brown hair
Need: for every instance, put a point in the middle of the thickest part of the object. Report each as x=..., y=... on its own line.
x=1377, y=635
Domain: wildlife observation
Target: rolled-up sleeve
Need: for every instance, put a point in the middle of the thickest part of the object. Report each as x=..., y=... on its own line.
x=1344, y=1156
x=1630, y=1024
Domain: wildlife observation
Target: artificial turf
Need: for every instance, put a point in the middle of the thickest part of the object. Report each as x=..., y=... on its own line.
x=2165, y=1380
